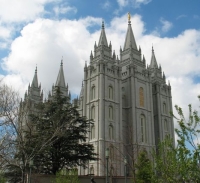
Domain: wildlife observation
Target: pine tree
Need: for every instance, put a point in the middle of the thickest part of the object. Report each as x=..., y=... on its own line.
x=57, y=118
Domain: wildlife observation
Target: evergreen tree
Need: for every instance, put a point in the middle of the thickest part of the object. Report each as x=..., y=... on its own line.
x=144, y=168
x=57, y=118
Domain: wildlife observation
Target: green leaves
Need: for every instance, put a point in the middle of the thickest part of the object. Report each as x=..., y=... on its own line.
x=180, y=163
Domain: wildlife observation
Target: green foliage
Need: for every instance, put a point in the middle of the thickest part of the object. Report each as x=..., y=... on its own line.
x=67, y=176
x=144, y=168
x=166, y=163
x=180, y=163
x=2, y=179
x=66, y=131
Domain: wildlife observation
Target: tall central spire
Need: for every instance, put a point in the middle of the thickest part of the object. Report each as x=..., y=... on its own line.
x=130, y=39
x=102, y=39
x=60, y=79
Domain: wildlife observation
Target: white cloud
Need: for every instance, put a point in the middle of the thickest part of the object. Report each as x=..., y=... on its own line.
x=166, y=25
x=21, y=10
x=44, y=42
x=123, y=3
x=64, y=9
x=135, y=3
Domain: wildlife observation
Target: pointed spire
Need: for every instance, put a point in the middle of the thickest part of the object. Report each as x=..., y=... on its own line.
x=144, y=60
x=114, y=55
x=163, y=75
x=130, y=39
x=42, y=95
x=103, y=39
x=60, y=79
x=169, y=83
x=35, y=79
x=139, y=49
x=25, y=95
x=153, y=63
x=91, y=55
x=110, y=45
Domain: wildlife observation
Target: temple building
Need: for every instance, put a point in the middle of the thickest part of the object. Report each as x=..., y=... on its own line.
x=129, y=101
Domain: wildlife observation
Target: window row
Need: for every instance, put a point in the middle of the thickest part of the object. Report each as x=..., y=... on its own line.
x=110, y=112
x=110, y=92
x=110, y=132
x=143, y=130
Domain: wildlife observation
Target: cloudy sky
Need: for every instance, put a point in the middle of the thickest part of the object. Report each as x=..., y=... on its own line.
x=41, y=32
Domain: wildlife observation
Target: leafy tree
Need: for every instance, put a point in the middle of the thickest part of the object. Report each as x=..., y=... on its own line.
x=144, y=168
x=188, y=148
x=69, y=147
x=180, y=163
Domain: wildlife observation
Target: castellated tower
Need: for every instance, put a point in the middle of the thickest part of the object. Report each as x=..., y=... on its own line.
x=129, y=102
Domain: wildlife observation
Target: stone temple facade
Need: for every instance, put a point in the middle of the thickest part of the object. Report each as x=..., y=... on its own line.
x=129, y=102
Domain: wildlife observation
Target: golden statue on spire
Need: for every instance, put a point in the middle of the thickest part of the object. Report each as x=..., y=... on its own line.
x=129, y=17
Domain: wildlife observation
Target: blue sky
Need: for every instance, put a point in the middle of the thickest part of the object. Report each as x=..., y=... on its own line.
x=40, y=32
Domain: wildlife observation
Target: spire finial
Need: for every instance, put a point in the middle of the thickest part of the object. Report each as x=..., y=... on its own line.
x=129, y=17
x=152, y=48
x=36, y=69
x=102, y=24
x=61, y=64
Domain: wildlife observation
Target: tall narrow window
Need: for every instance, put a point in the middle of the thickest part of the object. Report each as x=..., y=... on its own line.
x=92, y=132
x=110, y=92
x=93, y=112
x=164, y=108
x=92, y=170
x=93, y=93
x=143, y=128
x=166, y=128
x=141, y=95
x=110, y=132
x=110, y=112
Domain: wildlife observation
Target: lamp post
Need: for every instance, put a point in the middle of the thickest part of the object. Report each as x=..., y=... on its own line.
x=107, y=157
x=125, y=169
x=30, y=166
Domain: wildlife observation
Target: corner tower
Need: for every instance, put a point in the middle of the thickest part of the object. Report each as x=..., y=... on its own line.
x=100, y=100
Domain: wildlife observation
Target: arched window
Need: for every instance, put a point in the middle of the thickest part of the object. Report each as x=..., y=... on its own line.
x=93, y=112
x=164, y=108
x=141, y=95
x=110, y=112
x=110, y=92
x=92, y=132
x=143, y=128
x=110, y=132
x=92, y=170
x=166, y=128
x=93, y=93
